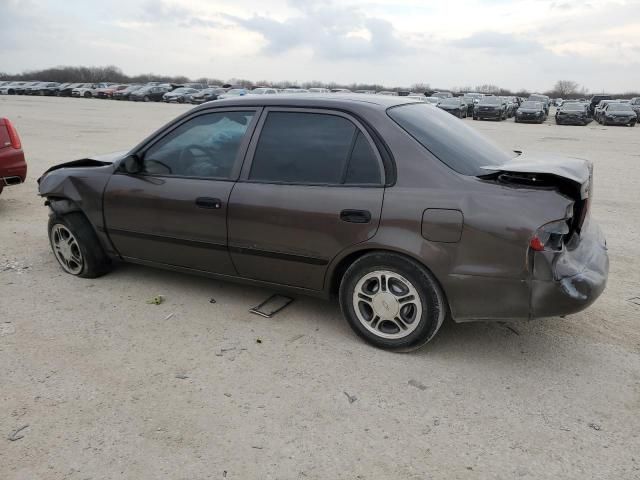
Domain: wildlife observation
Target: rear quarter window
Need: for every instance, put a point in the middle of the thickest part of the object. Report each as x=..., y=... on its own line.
x=455, y=144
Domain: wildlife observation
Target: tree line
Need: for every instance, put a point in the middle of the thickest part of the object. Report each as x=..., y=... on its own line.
x=562, y=88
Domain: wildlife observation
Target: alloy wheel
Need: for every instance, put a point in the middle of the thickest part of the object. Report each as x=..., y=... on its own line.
x=387, y=304
x=66, y=249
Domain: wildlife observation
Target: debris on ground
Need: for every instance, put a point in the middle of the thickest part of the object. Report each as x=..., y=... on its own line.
x=212, y=300
x=595, y=426
x=227, y=395
x=417, y=384
x=16, y=266
x=634, y=300
x=295, y=338
x=272, y=305
x=182, y=376
x=157, y=300
x=7, y=328
x=169, y=316
x=14, y=435
x=351, y=398
x=258, y=340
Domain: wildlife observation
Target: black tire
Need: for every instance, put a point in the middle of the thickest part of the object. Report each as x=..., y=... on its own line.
x=87, y=94
x=95, y=261
x=428, y=319
x=146, y=98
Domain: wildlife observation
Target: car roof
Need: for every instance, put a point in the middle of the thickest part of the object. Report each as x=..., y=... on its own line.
x=313, y=101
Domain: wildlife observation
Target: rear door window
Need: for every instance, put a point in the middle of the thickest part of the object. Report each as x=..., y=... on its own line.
x=313, y=149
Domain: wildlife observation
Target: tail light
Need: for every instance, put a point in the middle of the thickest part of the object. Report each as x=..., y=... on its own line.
x=14, y=138
x=550, y=237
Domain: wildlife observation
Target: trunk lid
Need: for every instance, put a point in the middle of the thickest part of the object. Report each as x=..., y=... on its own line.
x=571, y=176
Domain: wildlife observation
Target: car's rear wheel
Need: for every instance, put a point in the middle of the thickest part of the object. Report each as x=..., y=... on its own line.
x=76, y=247
x=146, y=98
x=87, y=94
x=391, y=301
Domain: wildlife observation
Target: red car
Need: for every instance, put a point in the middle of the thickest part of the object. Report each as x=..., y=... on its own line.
x=13, y=167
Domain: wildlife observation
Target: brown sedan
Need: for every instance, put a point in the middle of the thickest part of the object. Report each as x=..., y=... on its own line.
x=394, y=206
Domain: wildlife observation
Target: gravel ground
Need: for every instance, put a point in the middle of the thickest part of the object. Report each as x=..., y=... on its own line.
x=112, y=387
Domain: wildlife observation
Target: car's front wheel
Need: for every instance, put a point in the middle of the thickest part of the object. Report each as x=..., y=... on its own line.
x=76, y=247
x=391, y=301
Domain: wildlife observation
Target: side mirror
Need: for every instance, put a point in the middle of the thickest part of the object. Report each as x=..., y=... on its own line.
x=131, y=164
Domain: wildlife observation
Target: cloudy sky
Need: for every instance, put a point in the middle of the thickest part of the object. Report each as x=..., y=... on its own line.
x=445, y=43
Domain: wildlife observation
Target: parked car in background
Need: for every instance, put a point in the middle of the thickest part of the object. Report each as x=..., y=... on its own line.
x=595, y=100
x=490, y=107
x=366, y=92
x=206, y=95
x=511, y=106
x=234, y=92
x=433, y=100
x=125, y=93
x=387, y=92
x=635, y=104
x=10, y=88
x=150, y=93
x=107, y=92
x=288, y=192
x=34, y=89
x=52, y=91
x=13, y=166
x=597, y=113
x=65, y=90
x=618, y=114
x=89, y=90
x=21, y=89
x=264, y=91
x=179, y=95
x=340, y=90
x=293, y=90
x=456, y=106
x=319, y=90
x=573, y=113
x=471, y=99
x=546, y=101
x=442, y=94
x=530, y=111
x=419, y=97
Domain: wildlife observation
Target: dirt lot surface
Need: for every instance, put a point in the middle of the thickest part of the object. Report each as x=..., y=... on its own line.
x=112, y=387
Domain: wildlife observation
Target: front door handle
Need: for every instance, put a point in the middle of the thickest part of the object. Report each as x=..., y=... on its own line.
x=208, y=202
x=355, y=216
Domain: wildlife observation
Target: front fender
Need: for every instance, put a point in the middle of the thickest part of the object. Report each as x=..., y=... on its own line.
x=79, y=189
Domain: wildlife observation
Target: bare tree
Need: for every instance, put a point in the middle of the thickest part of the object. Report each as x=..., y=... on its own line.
x=565, y=88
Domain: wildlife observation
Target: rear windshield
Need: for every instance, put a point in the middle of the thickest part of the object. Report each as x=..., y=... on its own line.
x=455, y=144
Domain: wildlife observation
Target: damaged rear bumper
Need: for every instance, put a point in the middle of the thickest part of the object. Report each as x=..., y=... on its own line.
x=569, y=281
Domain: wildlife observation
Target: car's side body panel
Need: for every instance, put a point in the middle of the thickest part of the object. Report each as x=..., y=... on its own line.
x=290, y=235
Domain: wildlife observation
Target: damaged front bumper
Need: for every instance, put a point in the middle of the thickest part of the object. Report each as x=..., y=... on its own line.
x=569, y=281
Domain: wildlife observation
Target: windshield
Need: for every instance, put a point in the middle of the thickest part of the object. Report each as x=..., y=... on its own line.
x=529, y=104
x=572, y=107
x=620, y=107
x=450, y=102
x=455, y=144
x=490, y=101
x=538, y=98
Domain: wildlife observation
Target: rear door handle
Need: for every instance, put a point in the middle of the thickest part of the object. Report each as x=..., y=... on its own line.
x=208, y=202
x=355, y=216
